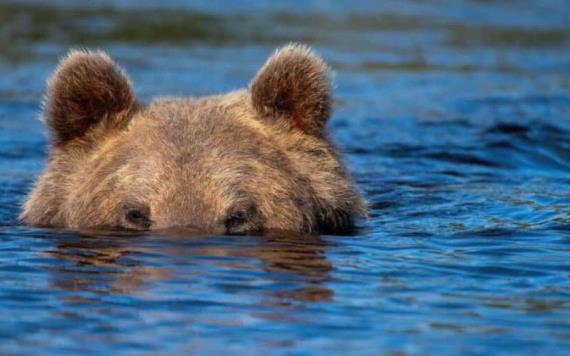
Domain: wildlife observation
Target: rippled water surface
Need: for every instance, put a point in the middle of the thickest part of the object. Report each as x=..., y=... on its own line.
x=454, y=118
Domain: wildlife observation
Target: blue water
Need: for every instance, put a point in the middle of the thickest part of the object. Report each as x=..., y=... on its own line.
x=454, y=120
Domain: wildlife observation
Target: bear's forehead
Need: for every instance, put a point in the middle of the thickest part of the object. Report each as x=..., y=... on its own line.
x=183, y=112
x=200, y=128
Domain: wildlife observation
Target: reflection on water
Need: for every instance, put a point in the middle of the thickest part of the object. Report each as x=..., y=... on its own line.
x=189, y=285
x=112, y=264
x=454, y=119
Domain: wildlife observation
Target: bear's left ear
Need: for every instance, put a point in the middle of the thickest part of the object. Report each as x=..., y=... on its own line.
x=87, y=89
x=294, y=85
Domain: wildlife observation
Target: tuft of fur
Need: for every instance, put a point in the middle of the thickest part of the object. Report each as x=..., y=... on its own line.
x=86, y=89
x=294, y=85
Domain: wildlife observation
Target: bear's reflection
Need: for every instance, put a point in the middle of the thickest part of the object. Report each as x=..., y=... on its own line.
x=289, y=267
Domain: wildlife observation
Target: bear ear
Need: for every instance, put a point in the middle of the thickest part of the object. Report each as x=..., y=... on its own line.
x=294, y=85
x=87, y=88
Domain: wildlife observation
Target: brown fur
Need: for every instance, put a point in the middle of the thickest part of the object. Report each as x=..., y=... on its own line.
x=294, y=85
x=244, y=161
x=86, y=89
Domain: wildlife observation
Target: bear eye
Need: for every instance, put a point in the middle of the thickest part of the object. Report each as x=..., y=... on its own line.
x=137, y=216
x=242, y=219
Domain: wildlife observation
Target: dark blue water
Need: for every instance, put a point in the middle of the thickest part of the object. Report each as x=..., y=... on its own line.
x=455, y=120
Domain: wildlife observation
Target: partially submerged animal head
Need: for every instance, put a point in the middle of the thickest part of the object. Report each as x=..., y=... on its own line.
x=245, y=161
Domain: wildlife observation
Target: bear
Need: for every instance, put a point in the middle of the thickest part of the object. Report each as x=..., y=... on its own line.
x=247, y=161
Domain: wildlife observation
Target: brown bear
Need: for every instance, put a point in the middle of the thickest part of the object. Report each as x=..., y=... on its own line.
x=246, y=161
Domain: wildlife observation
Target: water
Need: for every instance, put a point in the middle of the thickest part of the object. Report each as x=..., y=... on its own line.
x=454, y=119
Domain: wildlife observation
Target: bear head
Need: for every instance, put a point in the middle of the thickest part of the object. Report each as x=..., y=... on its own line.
x=246, y=161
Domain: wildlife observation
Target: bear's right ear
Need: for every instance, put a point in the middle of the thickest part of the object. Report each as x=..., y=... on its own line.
x=86, y=89
x=294, y=86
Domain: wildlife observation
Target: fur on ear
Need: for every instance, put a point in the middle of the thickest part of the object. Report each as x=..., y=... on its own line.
x=294, y=85
x=86, y=88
